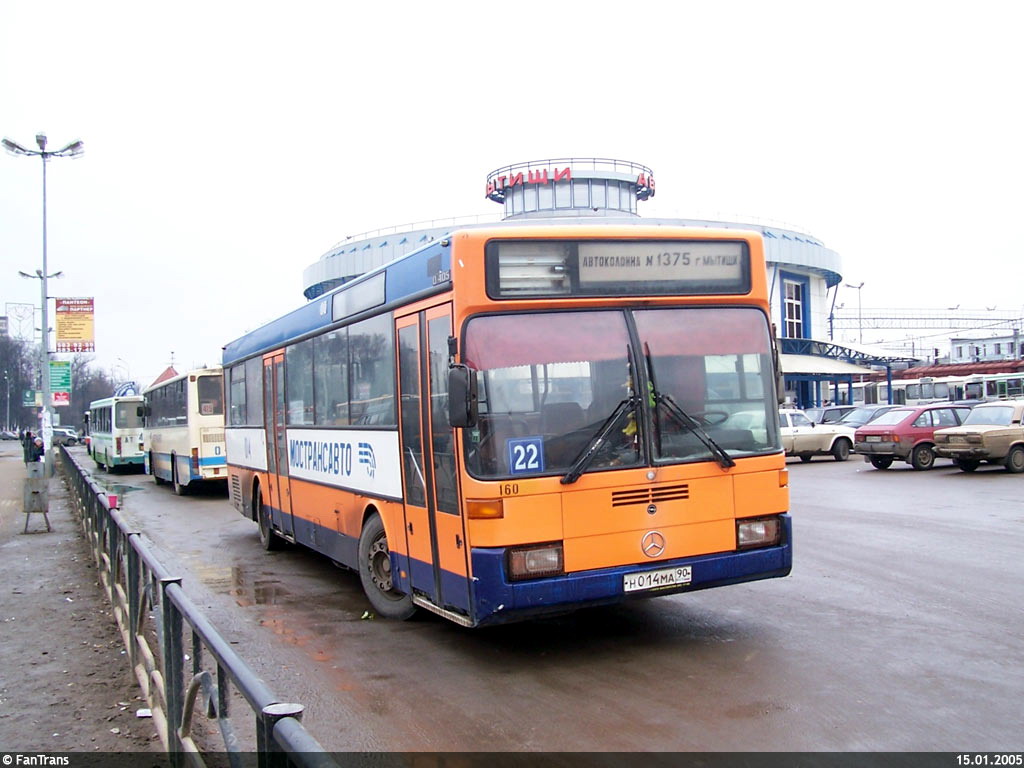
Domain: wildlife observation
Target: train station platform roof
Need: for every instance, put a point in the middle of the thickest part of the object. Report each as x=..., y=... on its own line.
x=820, y=366
x=827, y=358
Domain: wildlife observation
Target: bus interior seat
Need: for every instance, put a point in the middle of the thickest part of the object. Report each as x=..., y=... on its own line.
x=496, y=430
x=562, y=418
x=561, y=424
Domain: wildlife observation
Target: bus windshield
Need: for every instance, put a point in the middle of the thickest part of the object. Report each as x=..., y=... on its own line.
x=550, y=382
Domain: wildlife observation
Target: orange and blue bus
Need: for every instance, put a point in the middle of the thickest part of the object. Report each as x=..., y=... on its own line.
x=522, y=420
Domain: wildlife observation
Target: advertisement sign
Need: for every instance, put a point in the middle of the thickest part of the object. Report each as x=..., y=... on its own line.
x=28, y=398
x=60, y=398
x=75, y=325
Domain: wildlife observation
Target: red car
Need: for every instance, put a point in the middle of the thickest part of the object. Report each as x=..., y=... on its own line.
x=906, y=433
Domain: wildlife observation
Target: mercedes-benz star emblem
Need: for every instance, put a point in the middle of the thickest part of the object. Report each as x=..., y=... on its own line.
x=653, y=543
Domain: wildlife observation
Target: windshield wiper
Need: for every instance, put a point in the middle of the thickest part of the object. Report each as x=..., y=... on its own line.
x=685, y=420
x=586, y=456
x=590, y=451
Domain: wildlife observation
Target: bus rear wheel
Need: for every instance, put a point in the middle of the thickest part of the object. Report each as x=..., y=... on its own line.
x=375, y=573
x=152, y=470
x=881, y=462
x=179, y=489
x=967, y=465
x=269, y=540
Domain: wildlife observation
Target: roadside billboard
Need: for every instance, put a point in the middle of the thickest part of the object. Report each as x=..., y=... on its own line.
x=74, y=325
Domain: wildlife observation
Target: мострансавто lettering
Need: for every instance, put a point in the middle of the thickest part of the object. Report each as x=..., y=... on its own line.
x=331, y=457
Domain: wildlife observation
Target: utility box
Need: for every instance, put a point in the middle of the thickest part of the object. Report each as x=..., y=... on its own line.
x=37, y=494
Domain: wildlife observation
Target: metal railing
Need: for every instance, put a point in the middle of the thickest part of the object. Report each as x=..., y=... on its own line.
x=181, y=662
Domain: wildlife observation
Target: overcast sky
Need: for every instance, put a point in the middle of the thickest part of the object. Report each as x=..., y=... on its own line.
x=228, y=145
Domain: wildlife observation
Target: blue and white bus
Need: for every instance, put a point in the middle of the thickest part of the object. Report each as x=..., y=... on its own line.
x=184, y=429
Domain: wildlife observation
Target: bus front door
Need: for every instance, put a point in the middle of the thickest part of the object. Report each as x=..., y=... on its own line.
x=279, y=482
x=434, y=529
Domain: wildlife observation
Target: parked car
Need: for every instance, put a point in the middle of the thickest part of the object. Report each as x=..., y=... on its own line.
x=802, y=437
x=753, y=421
x=906, y=433
x=863, y=414
x=828, y=414
x=8, y=434
x=992, y=432
x=64, y=436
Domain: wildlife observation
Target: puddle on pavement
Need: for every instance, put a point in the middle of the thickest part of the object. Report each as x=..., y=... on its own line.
x=278, y=608
x=232, y=580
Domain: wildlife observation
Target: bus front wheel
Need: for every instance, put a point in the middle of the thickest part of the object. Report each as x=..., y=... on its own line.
x=375, y=573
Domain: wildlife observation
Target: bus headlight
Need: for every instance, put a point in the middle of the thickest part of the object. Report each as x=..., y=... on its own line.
x=535, y=561
x=760, y=532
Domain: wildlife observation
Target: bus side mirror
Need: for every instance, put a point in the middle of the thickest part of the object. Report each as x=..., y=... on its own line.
x=140, y=411
x=780, y=381
x=462, y=396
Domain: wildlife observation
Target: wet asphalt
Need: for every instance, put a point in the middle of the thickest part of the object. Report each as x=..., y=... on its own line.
x=900, y=628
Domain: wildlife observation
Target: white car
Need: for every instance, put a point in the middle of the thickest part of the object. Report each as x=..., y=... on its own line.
x=802, y=437
x=65, y=436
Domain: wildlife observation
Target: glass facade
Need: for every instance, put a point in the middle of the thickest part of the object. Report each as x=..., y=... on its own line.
x=593, y=195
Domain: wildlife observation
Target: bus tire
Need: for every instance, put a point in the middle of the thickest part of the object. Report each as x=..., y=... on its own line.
x=805, y=457
x=179, y=489
x=375, y=573
x=152, y=470
x=269, y=540
x=1015, y=460
x=967, y=465
x=841, y=449
x=881, y=462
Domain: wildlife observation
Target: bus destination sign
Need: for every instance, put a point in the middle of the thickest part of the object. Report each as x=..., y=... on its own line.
x=663, y=267
x=680, y=262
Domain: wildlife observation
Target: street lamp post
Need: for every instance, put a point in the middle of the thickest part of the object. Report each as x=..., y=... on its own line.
x=74, y=149
x=860, y=315
x=7, y=420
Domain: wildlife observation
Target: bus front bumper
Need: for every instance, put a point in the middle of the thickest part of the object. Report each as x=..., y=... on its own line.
x=497, y=600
